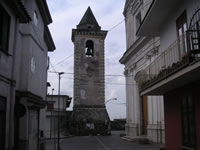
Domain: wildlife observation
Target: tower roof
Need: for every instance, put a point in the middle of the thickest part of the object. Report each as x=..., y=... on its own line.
x=88, y=22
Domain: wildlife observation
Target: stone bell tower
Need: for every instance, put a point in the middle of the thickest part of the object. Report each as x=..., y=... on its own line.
x=89, y=115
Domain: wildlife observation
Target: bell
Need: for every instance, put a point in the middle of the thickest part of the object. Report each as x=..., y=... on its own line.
x=88, y=52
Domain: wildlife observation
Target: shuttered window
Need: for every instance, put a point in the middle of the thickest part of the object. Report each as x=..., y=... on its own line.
x=188, y=122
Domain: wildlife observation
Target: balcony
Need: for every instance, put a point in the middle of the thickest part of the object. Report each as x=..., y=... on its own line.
x=176, y=66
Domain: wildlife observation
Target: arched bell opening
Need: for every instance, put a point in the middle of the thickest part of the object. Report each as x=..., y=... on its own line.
x=89, y=48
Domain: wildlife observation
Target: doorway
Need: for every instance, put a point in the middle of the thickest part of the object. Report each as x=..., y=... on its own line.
x=144, y=115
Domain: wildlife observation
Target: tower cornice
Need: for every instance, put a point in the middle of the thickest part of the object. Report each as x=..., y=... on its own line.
x=101, y=33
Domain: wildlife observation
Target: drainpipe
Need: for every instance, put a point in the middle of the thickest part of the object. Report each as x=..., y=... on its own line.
x=38, y=130
x=157, y=125
x=161, y=122
x=12, y=88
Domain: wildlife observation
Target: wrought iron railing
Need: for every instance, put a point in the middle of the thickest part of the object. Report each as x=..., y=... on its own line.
x=176, y=56
x=174, y=53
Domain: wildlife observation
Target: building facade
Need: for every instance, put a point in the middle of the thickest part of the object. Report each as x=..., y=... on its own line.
x=89, y=114
x=145, y=114
x=53, y=113
x=24, y=44
x=175, y=72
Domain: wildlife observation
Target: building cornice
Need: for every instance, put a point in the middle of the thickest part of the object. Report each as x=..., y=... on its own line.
x=35, y=100
x=44, y=11
x=132, y=6
x=18, y=7
x=101, y=33
x=133, y=49
x=48, y=39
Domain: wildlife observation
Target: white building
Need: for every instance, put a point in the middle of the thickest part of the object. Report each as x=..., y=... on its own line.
x=145, y=114
x=25, y=41
x=55, y=110
x=175, y=73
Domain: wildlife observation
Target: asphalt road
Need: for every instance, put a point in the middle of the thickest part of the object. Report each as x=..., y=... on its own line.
x=98, y=143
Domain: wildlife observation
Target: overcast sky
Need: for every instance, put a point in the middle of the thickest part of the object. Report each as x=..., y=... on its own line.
x=66, y=14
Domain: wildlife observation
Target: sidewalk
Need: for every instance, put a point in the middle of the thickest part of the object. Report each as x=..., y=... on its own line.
x=140, y=140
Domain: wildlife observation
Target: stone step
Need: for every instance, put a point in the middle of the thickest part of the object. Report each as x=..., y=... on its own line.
x=139, y=139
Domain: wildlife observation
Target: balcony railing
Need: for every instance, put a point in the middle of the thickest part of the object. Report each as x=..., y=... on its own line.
x=178, y=55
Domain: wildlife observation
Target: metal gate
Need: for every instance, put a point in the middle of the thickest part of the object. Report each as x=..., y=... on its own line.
x=194, y=34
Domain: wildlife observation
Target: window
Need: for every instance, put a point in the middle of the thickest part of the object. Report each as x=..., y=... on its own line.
x=138, y=20
x=89, y=49
x=4, y=29
x=90, y=26
x=50, y=106
x=181, y=24
x=48, y=61
x=2, y=122
x=35, y=18
x=188, y=122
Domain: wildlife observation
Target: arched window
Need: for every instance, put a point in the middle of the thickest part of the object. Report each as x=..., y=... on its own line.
x=89, y=48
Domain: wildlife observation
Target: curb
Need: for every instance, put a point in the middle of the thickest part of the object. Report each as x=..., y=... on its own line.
x=53, y=138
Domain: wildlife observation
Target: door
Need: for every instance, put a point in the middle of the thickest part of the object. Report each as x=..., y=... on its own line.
x=33, y=129
x=2, y=122
x=181, y=24
x=188, y=122
x=144, y=115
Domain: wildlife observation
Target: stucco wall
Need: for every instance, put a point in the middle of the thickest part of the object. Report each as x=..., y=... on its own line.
x=32, y=61
x=140, y=53
x=168, y=28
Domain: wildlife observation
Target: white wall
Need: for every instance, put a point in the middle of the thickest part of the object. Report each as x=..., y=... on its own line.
x=140, y=48
x=168, y=29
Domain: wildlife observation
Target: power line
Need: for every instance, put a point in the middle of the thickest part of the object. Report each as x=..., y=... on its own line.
x=94, y=81
x=53, y=68
x=57, y=72
x=62, y=61
x=97, y=82
x=116, y=25
x=127, y=16
x=112, y=75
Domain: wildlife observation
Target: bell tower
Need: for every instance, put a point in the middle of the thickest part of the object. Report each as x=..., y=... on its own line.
x=89, y=112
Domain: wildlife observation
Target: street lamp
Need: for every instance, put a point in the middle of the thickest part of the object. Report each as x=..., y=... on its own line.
x=59, y=74
x=110, y=100
x=51, y=114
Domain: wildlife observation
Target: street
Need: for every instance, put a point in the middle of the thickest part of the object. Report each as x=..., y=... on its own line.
x=112, y=142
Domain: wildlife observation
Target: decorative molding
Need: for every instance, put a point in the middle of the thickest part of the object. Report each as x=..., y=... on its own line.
x=126, y=72
x=88, y=33
x=131, y=7
x=33, y=100
x=7, y=80
x=134, y=48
